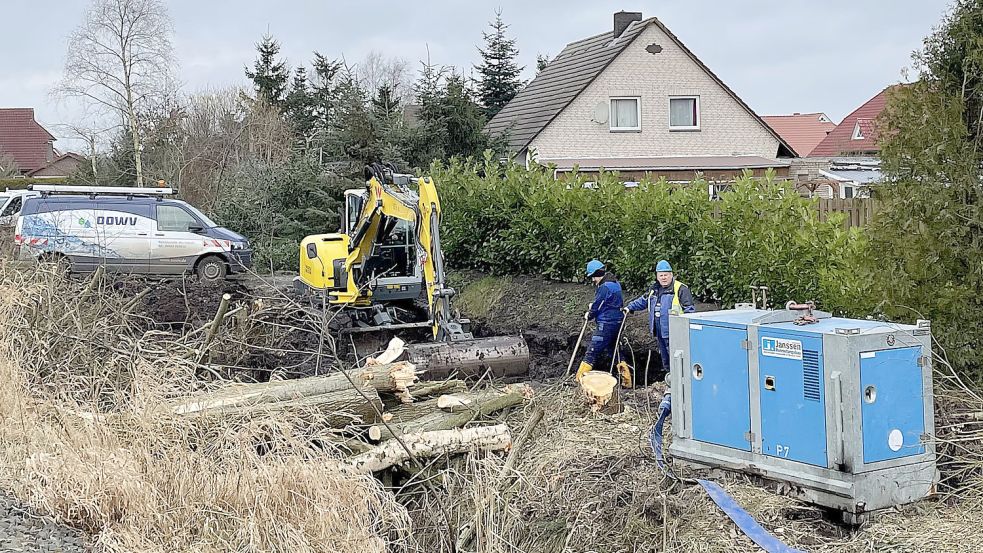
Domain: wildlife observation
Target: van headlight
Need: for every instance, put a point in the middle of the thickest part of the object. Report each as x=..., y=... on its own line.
x=240, y=245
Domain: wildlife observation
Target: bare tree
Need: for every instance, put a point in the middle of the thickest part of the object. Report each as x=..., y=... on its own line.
x=376, y=71
x=121, y=60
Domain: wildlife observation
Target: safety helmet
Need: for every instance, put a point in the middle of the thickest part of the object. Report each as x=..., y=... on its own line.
x=663, y=267
x=593, y=266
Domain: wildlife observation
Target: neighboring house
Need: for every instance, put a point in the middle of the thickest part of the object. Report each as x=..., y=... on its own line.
x=30, y=146
x=845, y=163
x=636, y=100
x=24, y=140
x=803, y=131
x=856, y=135
x=61, y=167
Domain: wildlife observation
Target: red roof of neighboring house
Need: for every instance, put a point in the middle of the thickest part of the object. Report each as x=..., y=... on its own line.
x=803, y=131
x=841, y=141
x=24, y=139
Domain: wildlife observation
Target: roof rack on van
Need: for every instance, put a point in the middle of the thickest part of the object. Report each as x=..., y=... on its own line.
x=100, y=190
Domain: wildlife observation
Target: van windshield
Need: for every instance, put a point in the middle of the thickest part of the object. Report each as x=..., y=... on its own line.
x=204, y=218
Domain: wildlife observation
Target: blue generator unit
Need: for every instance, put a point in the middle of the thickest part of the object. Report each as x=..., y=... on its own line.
x=839, y=409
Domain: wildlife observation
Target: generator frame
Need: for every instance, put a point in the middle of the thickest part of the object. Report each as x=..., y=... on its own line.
x=845, y=482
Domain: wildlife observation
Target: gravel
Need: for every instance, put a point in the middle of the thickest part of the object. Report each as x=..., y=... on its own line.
x=21, y=530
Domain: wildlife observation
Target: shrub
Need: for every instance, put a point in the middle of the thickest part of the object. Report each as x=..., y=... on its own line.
x=510, y=220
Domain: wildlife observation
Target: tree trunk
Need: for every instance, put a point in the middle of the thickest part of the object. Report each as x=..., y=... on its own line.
x=336, y=409
x=393, y=378
x=439, y=420
x=432, y=444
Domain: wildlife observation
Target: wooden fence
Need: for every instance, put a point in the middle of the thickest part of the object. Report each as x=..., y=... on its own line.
x=858, y=211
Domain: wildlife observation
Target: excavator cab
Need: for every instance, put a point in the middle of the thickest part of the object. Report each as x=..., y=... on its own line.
x=385, y=270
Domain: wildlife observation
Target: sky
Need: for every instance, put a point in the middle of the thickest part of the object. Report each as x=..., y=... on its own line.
x=780, y=57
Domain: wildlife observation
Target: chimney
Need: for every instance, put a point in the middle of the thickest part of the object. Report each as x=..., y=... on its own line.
x=623, y=19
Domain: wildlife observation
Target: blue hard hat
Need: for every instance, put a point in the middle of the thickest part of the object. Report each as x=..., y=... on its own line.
x=663, y=267
x=594, y=265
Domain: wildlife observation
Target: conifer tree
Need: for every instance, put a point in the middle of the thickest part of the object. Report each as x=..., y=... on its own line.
x=498, y=74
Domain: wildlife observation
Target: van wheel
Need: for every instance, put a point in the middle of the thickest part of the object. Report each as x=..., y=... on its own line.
x=211, y=269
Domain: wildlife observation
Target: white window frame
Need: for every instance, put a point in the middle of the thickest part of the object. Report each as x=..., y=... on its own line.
x=638, y=113
x=858, y=134
x=685, y=128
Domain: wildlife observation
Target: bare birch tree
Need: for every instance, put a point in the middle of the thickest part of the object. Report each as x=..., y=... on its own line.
x=120, y=59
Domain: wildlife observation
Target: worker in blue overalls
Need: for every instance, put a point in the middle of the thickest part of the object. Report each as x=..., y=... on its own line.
x=606, y=309
x=666, y=295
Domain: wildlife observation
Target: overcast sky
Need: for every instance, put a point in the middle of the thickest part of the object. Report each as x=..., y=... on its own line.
x=780, y=57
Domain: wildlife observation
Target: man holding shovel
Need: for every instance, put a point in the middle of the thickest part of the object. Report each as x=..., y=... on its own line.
x=606, y=309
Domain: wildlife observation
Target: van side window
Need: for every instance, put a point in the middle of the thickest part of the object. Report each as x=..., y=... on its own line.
x=173, y=218
x=13, y=207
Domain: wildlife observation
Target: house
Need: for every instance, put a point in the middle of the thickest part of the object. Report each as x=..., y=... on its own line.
x=845, y=163
x=856, y=135
x=636, y=100
x=29, y=147
x=803, y=131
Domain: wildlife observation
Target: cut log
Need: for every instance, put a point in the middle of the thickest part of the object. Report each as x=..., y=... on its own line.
x=598, y=389
x=454, y=403
x=393, y=378
x=444, y=387
x=439, y=420
x=431, y=444
x=393, y=352
x=336, y=409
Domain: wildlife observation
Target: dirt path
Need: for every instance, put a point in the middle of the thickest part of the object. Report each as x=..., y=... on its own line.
x=23, y=531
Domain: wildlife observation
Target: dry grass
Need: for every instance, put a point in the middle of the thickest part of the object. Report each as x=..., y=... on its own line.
x=81, y=438
x=588, y=483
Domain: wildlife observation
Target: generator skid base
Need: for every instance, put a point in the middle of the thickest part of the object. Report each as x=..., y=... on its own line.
x=841, y=410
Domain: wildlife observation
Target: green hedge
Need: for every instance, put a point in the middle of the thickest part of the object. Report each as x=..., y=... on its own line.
x=510, y=220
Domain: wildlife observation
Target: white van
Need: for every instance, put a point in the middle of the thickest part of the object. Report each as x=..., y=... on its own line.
x=11, y=202
x=132, y=230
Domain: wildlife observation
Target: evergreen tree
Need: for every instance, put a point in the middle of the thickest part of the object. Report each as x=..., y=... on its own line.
x=463, y=120
x=298, y=104
x=385, y=103
x=498, y=80
x=269, y=75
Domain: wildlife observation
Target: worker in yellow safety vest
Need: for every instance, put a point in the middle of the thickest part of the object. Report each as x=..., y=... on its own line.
x=666, y=295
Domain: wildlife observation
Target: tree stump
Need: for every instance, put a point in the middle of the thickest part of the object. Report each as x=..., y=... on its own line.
x=599, y=389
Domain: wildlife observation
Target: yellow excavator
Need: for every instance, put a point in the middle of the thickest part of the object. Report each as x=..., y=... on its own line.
x=384, y=275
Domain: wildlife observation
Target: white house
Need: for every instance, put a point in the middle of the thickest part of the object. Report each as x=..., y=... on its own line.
x=636, y=100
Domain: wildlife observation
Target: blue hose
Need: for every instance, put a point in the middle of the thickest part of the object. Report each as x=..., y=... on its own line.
x=741, y=518
x=745, y=521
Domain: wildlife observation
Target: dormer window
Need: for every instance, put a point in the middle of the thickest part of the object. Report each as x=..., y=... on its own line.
x=684, y=113
x=857, y=132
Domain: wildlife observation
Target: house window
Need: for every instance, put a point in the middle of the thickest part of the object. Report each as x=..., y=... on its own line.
x=684, y=113
x=626, y=114
x=857, y=133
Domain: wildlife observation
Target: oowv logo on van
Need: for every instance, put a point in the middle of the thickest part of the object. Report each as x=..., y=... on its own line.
x=116, y=220
x=779, y=347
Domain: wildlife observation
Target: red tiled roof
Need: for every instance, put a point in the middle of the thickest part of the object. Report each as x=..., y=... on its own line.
x=840, y=140
x=803, y=131
x=24, y=139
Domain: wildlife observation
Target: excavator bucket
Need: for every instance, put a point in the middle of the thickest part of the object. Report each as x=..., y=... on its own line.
x=497, y=356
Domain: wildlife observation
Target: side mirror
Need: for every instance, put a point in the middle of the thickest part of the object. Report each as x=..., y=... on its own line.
x=195, y=228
